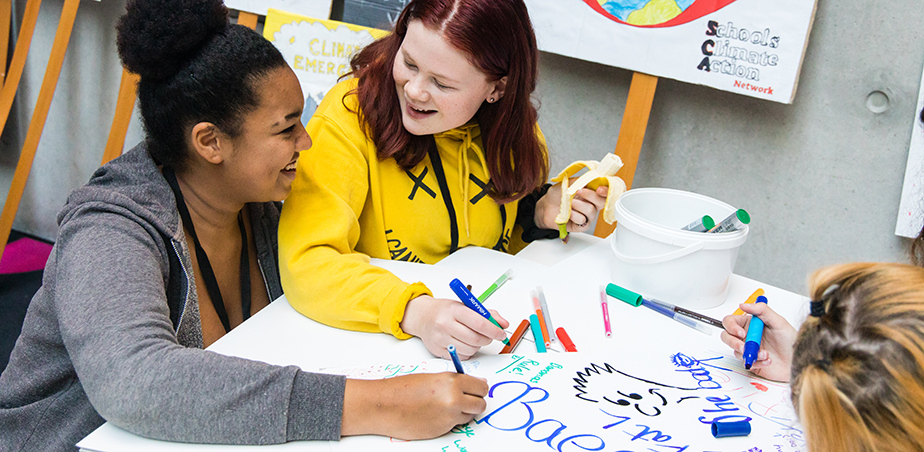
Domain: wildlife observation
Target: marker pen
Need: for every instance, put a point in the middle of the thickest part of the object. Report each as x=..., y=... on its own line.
x=455, y=359
x=692, y=314
x=537, y=333
x=545, y=312
x=750, y=300
x=542, y=326
x=732, y=222
x=472, y=303
x=700, y=225
x=752, y=340
x=636, y=300
x=606, y=312
x=515, y=339
x=500, y=282
x=565, y=340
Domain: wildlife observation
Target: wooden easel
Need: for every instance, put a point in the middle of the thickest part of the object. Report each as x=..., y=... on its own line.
x=128, y=90
x=632, y=133
x=124, y=105
x=248, y=20
x=12, y=76
x=6, y=15
x=40, y=114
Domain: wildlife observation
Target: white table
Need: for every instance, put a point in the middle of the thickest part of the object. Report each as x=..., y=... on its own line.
x=570, y=275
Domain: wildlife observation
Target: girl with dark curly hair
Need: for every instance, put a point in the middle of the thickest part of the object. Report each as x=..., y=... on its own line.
x=172, y=245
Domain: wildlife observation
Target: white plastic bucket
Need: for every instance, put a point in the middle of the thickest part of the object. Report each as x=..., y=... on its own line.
x=657, y=259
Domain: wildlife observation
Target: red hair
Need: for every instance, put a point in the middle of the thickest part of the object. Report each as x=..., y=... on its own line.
x=498, y=38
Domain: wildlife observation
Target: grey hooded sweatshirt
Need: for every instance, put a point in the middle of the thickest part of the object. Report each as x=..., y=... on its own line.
x=114, y=334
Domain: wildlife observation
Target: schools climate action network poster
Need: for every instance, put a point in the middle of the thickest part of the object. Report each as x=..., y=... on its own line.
x=749, y=47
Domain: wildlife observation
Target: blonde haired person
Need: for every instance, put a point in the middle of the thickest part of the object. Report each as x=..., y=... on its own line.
x=857, y=363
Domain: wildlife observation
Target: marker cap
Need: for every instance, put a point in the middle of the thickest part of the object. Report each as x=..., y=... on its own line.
x=743, y=216
x=728, y=429
x=537, y=333
x=708, y=222
x=623, y=294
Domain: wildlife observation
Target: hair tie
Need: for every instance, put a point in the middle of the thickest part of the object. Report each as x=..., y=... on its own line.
x=823, y=364
x=817, y=308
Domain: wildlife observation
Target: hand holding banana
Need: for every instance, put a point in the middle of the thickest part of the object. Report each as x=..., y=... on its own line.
x=598, y=174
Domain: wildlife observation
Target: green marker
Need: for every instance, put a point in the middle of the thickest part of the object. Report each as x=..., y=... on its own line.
x=701, y=225
x=622, y=294
x=500, y=282
x=733, y=222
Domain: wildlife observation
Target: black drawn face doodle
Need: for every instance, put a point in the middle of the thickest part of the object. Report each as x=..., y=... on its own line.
x=605, y=383
x=640, y=403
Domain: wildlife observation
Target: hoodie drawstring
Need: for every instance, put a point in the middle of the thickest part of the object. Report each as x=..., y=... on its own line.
x=465, y=136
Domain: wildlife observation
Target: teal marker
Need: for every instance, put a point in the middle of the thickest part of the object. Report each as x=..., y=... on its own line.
x=537, y=333
x=500, y=282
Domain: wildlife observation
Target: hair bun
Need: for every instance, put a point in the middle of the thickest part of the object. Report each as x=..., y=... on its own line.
x=157, y=37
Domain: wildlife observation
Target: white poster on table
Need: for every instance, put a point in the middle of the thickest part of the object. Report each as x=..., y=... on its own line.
x=749, y=47
x=911, y=206
x=658, y=399
x=318, y=9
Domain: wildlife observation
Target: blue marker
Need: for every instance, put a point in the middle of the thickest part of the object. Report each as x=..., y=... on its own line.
x=455, y=359
x=752, y=340
x=469, y=300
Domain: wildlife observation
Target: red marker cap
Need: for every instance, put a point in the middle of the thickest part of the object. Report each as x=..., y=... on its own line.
x=565, y=340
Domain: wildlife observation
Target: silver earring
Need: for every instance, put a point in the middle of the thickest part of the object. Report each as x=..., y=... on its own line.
x=491, y=100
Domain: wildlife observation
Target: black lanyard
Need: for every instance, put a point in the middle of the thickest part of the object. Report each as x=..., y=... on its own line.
x=444, y=192
x=211, y=284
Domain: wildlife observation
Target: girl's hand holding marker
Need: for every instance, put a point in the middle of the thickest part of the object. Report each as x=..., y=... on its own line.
x=774, y=360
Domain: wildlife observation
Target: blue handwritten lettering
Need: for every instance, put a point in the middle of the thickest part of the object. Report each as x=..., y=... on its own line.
x=518, y=408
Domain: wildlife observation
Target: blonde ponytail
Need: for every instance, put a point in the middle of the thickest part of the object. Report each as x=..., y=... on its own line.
x=858, y=366
x=831, y=421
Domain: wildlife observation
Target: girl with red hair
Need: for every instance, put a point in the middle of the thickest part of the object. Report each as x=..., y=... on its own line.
x=432, y=145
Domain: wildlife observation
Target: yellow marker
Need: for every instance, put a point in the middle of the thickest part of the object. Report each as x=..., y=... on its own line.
x=751, y=300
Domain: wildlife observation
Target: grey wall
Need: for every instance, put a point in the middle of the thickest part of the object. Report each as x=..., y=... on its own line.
x=821, y=177
x=81, y=113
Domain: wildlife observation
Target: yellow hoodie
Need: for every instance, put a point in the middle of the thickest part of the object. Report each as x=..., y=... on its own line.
x=347, y=205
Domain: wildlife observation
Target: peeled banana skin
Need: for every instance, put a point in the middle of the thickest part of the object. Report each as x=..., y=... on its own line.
x=598, y=174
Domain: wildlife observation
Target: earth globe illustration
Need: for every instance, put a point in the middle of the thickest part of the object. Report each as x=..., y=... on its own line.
x=656, y=13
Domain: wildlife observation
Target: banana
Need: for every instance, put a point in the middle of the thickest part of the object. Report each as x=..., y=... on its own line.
x=598, y=173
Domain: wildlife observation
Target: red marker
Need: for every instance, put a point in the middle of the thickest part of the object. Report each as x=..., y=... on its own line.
x=565, y=340
x=517, y=335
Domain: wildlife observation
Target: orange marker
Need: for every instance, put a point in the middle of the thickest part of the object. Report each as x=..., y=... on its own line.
x=542, y=325
x=565, y=340
x=517, y=335
x=751, y=300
